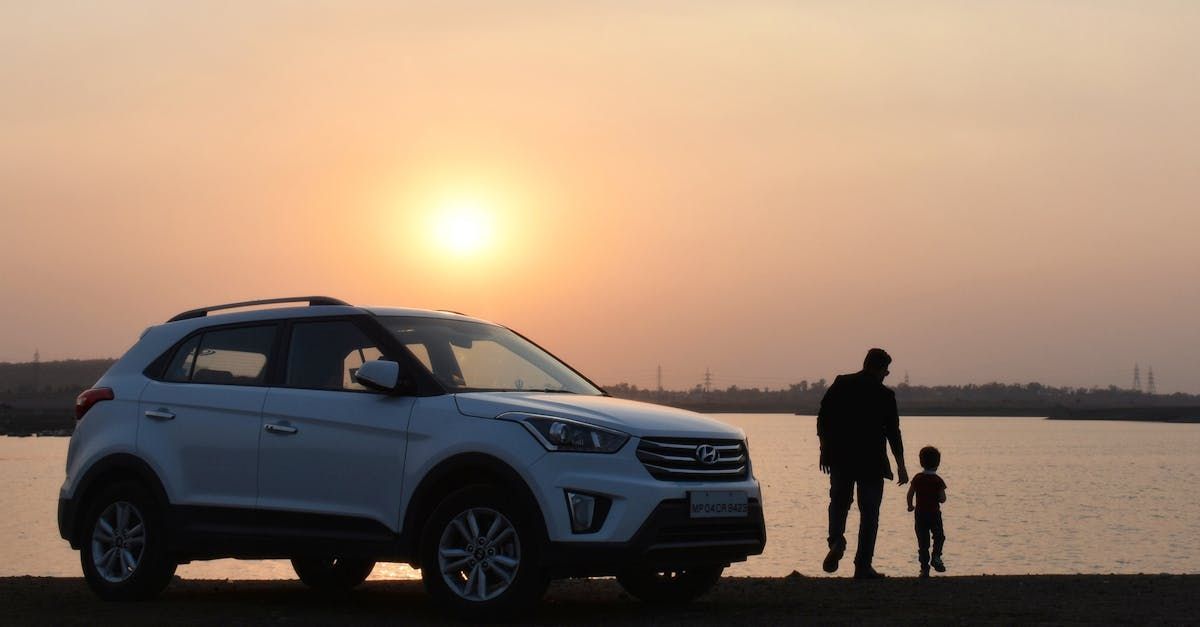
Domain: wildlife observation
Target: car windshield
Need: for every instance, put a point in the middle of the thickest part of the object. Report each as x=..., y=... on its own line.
x=472, y=356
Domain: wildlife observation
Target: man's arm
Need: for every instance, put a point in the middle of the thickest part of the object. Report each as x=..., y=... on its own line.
x=829, y=406
x=825, y=417
x=891, y=428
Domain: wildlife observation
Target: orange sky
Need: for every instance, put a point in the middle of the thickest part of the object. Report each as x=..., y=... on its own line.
x=992, y=191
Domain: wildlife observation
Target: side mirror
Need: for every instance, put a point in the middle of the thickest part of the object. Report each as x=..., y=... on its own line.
x=382, y=376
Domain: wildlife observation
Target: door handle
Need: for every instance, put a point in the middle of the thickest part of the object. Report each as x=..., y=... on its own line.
x=280, y=429
x=160, y=414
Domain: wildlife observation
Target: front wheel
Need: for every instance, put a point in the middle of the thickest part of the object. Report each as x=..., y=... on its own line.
x=124, y=557
x=669, y=586
x=332, y=574
x=481, y=554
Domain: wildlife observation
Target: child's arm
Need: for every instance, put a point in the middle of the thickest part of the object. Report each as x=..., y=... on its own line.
x=942, y=493
x=912, y=489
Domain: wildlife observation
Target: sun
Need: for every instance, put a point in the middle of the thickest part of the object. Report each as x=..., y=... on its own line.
x=463, y=227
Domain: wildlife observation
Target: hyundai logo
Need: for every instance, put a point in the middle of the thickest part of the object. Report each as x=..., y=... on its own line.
x=706, y=454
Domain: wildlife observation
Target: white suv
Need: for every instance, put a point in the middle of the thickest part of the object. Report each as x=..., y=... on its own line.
x=339, y=436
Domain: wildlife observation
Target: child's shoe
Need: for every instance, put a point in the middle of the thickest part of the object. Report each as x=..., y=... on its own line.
x=937, y=564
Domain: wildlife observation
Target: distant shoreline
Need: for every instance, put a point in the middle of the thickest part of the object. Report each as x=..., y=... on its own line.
x=56, y=424
x=796, y=599
x=41, y=424
x=38, y=398
x=1132, y=414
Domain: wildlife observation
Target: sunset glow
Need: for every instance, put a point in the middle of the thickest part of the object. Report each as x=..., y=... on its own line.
x=971, y=185
x=318, y=294
x=463, y=227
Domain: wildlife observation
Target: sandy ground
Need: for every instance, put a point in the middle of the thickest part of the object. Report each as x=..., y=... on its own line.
x=1051, y=599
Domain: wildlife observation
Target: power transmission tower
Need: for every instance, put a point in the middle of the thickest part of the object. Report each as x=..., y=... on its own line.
x=906, y=378
x=37, y=370
x=1137, y=378
x=1150, y=388
x=707, y=379
x=660, y=377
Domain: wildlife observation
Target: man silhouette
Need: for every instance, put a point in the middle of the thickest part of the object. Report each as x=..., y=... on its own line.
x=858, y=414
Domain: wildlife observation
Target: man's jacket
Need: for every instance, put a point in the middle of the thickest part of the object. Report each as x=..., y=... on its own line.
x=858, y=418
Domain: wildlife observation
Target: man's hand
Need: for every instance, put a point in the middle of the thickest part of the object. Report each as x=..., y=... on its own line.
x=901, y=475
x=823, y=466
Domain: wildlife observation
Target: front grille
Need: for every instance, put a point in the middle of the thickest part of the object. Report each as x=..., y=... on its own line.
x=677, y=459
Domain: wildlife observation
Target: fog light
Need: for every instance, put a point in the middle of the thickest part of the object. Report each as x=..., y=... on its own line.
x=583, y=510
x=587, y=511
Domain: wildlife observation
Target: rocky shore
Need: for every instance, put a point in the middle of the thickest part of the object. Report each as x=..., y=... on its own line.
x=1044, y=599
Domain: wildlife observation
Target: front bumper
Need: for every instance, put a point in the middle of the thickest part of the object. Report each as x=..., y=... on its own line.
x=619, y=477
x=668, y=538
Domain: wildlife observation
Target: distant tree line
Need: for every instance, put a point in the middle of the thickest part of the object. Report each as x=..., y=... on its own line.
x=38, y=397
x=50, y=379
x=1007, y=399
x=55, y=383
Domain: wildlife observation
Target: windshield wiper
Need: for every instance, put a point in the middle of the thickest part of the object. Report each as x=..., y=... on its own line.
x=550, y=391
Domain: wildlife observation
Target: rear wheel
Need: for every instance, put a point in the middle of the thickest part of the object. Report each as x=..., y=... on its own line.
x=481, y=554
x=669, y=586
x=332, y=574
x=124, y=556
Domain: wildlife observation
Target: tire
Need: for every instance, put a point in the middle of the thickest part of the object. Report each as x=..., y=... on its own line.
x=499, y=577
x=124, y=544
x=332, y=574
x=669, y=586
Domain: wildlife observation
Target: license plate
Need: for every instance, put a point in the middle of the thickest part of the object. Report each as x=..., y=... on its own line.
x=718, y=504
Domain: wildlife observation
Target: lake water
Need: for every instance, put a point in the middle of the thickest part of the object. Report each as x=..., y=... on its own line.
x=1025, y=496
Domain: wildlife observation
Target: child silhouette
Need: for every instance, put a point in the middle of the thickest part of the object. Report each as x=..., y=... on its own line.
x=930, y=493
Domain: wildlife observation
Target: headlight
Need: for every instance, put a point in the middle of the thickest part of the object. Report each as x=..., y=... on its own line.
x=560, y=434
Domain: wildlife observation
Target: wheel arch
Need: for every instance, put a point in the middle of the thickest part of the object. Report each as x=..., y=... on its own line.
x=454, y=473
x=106, y=471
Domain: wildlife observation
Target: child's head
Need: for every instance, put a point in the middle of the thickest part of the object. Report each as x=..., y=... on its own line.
x=931, y=458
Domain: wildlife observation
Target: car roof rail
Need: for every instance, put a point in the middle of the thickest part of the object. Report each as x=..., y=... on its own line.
x=312, y=301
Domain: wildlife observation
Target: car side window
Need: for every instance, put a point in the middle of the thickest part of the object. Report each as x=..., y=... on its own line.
x=180, y=368
x=234, y=356
x=352, y=362
x=325, y=355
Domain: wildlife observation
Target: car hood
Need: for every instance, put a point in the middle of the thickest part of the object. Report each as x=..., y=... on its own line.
x=632, y=417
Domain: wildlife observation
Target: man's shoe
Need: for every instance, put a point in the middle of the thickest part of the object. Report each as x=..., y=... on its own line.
x=833, y=557
x=924, y=572
x=868, y=573
x=937, y=564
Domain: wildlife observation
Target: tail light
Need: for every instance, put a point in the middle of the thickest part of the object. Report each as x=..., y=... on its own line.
x=88, y=398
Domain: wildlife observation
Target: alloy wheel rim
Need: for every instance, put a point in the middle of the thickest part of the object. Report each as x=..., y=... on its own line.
x=479, y=554
x=118, y=541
